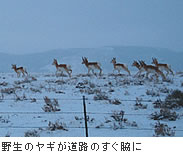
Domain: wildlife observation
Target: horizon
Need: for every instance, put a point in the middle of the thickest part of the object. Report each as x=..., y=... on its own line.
x=40, y=61
x=99, y=47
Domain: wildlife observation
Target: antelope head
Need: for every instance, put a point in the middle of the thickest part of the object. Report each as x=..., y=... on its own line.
x=135, y=63
x=54, y=62
x=155, y=61
x=113, y=60
x=85, y=60
x=13, y=66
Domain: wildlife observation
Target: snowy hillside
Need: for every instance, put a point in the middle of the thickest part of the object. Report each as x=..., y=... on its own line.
x=42, y=62
x=43, y=104
x=117, y=105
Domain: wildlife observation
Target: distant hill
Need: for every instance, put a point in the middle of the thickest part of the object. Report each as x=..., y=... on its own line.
x=42, y=62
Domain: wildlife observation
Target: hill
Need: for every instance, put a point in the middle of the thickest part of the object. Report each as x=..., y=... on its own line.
x=42, y=62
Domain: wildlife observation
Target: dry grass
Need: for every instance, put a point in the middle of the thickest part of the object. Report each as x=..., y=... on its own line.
x=57, y=126
x=138, y=105
x=31, y=133
x=163, y=130
x=164, y=114
x=50, y=105
x=8, y=91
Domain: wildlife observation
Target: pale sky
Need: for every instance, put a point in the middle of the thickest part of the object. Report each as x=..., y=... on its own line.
x=28, y=26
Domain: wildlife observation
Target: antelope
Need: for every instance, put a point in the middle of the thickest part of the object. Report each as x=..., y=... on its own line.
x=151, y=69
x=139, y=67
x=118, y=66
x=62, y=67
x=19, y=70
x=162, y=67
x=92, y=65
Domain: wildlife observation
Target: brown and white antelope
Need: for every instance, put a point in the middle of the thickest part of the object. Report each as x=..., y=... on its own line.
x=62, y=67
x=19, y=70
x=162, y=67
x=152, y=69
x=139, y=67
x=118, y=66
x=92, y=66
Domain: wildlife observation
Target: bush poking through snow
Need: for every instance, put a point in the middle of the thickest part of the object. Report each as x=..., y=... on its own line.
x=35, y=90
x=8, y=134
x=60, y=82
x=101, y=96
x=3, y=84
x=168, y=80
x=174, y=100
x=115, y=102
x=26, y=80
x=158, y=103
x=20, y=98
x=134, y=124
x=91, y=85
x=84, y=84
x=163, y=130
x=50, y=105
x=33, y=100
x=57, y=126
x=164, y=90
x=111, y=90
x=4, y=120
x=8, y=90
x=115, y=127
x=164, y=114
x=152, y=93
x=118, y=116
x=99, y=126
x=139, y=105
x=1, y=97
x=139, y=82
x=31, y=133
x=90, y=120
x=90, y=91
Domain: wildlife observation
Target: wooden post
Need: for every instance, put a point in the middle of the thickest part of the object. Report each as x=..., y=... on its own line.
x=85, y=117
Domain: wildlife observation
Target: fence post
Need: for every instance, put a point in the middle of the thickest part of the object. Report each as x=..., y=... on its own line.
x=85, y=117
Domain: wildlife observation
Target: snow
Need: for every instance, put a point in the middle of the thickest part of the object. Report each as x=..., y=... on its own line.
x=21, y=109
x=18, y=116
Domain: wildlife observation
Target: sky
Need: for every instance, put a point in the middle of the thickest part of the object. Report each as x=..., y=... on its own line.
x=28, y=26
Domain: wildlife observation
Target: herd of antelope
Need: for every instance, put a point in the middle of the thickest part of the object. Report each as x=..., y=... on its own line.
x=156, y=69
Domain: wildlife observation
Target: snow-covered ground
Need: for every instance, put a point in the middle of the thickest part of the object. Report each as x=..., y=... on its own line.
x=22, y=103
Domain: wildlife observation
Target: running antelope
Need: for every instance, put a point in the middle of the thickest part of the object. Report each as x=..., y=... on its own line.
x=118, y=66
x=152, y=69
x=92, y=65
x=19, y=70
x=62, y=67
x=139, y=67
x=162, y=67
